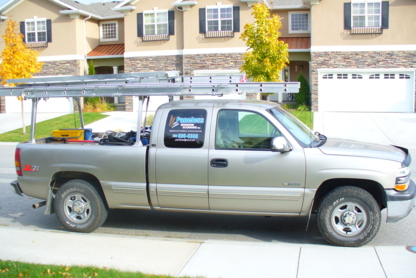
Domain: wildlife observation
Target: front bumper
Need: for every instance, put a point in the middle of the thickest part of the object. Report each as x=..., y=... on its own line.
x=400, y=204
x=16, y=188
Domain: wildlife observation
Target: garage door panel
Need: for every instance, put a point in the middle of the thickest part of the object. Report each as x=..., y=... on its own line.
x=366, y=95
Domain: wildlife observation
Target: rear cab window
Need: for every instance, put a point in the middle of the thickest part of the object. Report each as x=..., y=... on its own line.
x=185, y=128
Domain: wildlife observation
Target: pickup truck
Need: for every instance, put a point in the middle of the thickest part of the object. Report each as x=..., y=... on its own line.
x=224, y=156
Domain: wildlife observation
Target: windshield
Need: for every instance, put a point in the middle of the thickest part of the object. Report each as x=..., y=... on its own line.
x=298, y=129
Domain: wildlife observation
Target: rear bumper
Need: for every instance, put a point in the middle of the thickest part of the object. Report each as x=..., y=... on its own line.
x=16, y=188
x=400, y=204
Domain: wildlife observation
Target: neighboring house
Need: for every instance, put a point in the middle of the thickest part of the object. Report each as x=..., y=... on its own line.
x=363, y=55
x=359, y=55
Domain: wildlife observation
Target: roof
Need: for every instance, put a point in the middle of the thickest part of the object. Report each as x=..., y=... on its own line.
x=101, y=9
x=107, y=50
x=288, y=4
x=297, y=42
x=97, y=10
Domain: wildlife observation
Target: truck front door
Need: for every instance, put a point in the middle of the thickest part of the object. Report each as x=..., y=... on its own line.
x=244, y=174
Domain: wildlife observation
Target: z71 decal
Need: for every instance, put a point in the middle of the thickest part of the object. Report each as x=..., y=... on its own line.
x=31, y=168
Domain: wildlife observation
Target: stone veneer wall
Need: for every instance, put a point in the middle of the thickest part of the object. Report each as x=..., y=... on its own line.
x=50, y=69
x=185, y=64
x=357, y=60
x=72, y=67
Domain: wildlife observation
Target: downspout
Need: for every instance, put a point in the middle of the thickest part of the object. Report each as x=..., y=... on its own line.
x=85, y=45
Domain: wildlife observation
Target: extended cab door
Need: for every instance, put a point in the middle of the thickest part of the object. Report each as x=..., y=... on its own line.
x=244, y=174
x=180, y=158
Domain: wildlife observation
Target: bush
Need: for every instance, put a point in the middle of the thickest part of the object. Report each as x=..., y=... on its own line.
x=100, y=106
x=304, y=95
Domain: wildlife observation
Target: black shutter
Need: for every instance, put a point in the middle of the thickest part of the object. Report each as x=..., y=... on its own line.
x=385, y=14
x=171, y=25
x=202, y=24
x=140, y=24
x=22, y=30
x=236, y=19
x=49, y=30
x=347, y=16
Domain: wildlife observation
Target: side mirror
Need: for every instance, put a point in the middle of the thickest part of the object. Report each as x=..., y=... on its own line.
x=280, y=144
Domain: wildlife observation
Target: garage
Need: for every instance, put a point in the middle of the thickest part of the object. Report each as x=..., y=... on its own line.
x=366, y=90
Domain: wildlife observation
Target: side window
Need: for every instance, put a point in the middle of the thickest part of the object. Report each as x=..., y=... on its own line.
x=185, y=128
x=243, y=130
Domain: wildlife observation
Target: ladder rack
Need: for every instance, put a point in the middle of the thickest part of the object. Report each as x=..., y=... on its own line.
x=140, y=84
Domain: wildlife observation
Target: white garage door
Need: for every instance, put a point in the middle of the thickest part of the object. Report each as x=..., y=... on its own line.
x=366, y=91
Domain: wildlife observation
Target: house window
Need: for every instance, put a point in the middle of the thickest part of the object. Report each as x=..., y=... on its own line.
x=375, y=76
x=109, y=31
x=219, y=18
x=299, y=22
x=35, y=30
x=342, y=76
x=367, y=14
x=219, y=21
x=155, y=22
x=157, y=25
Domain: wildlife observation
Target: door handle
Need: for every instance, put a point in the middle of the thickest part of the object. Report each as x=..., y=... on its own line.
x=219, y=163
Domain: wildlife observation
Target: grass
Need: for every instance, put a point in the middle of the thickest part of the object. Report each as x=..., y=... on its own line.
x=305, y=117
x=20, y=270
x=44, y=129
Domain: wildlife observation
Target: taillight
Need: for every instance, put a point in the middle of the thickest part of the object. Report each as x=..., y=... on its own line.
x=17, y=162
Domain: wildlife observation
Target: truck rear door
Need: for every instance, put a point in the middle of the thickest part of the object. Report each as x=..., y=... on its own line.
x=180, y=158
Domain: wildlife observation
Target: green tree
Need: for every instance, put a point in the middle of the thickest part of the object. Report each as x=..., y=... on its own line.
x=304, y=95
x=17, y=61
x=266, y=56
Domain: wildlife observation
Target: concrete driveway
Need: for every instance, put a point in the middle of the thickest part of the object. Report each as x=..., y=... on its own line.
x=383, y=128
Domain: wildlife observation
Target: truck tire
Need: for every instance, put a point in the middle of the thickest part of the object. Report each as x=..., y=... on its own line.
x=80, y=207
x=349, y=216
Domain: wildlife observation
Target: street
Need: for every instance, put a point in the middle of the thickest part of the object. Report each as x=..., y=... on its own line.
x=17, y=211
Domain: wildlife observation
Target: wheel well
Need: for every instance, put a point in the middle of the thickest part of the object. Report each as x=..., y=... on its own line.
x=372, y=187
x=61, y=178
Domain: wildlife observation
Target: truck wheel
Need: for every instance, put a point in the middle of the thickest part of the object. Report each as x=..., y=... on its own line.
x=80, y=207
x=349, y=216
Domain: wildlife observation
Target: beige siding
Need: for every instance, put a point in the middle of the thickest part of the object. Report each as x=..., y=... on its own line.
x=328, y=25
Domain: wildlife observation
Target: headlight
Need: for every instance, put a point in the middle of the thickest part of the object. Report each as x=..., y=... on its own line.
x=402, y=179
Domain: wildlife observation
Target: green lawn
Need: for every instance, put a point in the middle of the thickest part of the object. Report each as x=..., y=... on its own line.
x=304, y=116
x=44, y=129
x=17, y=270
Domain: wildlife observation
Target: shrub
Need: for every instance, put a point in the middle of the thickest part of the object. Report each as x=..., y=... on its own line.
x=304, y=95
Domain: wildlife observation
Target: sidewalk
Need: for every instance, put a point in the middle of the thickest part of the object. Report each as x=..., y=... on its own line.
x=210, y=258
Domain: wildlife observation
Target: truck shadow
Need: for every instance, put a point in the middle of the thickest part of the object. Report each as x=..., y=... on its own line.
x=200, y=226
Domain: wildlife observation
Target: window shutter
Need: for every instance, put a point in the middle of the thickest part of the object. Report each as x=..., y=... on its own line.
x=202, y=23
x=385, y=14
x=236, y=18
x=22, y=30
x=49, y=30
x=140, y=24
x=347, y=16
x=171, y=25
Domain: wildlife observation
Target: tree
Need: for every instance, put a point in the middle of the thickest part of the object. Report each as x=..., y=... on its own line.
x=17, y=60
x=266, y=56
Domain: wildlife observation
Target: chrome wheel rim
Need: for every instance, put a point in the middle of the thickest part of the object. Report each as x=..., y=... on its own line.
x=349, y=219
x=77, y=208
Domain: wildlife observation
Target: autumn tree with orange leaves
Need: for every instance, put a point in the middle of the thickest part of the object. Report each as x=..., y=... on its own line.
x=17, y=61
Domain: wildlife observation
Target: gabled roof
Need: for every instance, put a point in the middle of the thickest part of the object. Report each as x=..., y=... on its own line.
x=95, y=10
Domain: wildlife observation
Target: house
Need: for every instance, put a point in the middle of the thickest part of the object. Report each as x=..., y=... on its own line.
x=358, y=55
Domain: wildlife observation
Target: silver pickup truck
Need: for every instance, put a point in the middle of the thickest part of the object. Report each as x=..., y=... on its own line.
x=224, y=156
